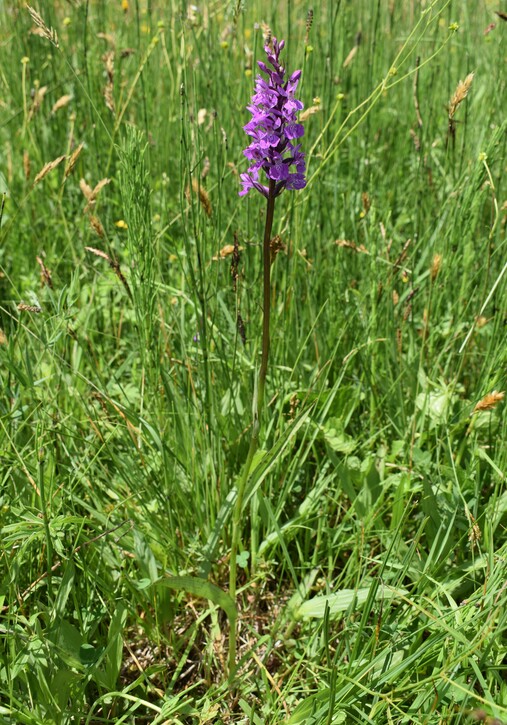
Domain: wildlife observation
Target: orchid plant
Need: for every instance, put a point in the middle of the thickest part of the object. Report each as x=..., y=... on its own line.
x=274, y=152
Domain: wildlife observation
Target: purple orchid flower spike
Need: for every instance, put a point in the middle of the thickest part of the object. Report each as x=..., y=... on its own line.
x=275, y=150
x=274, y=129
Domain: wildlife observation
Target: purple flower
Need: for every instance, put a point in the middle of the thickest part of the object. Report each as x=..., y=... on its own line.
x=274, y=128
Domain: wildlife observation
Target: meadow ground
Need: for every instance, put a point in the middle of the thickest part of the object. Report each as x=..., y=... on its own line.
x=371, y=556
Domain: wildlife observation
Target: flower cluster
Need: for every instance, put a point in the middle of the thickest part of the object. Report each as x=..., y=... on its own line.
x=274, y=129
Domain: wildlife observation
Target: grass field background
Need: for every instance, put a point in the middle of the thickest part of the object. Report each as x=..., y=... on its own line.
x=372, y=563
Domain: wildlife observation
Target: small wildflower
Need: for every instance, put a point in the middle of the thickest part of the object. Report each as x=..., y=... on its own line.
x=274, y=129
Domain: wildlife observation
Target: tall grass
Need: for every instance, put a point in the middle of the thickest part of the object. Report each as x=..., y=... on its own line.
x=372, y=566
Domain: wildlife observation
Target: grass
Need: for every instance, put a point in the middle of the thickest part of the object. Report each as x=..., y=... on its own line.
x=372, y=562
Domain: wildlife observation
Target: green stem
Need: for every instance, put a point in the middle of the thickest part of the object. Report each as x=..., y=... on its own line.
x=45, y=519
x=258, y=405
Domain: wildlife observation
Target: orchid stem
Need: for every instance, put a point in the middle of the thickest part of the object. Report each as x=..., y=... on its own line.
x=258, y=405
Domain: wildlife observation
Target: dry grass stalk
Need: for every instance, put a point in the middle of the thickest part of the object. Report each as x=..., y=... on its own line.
x=399, y=340
x=61, y=103
x=365, y=198
x=98, y=187
x=45, y=274
x=22, y=307
x=415, y=92
x=415, y=139
x=458, y=97
x=348, y=60
x=489, y=401
x=236, y=258
x=240, y=325
x=202, y=194
x=294, y=403
x=72, y=161
x=100, y=253
x=108, y=37
x=351, y=245
x=97, y=227
x=435, y=266
x=47, y=33
x=276, y=246
x=206, y=166
x=47, y=168
x=474, y=532
x=92, y=194
x=226, y=251
x=403, y=254
x=38, y=97
x=309, y=112
x=460, y=94
x=26, y=164
x=87, y=190
x=3, y=337
x=109, y=98
x=108, y=59
x=114, y=266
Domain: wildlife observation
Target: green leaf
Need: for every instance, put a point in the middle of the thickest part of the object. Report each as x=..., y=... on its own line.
x=145, y=557
x=64, y=590
x=242, y=559
x=206, y=590
x=88, y=654
x=341, y=601
x=336, y=438
x=115, y=645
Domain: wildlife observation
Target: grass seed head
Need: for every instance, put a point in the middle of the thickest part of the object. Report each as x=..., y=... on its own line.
x=460, y=94
x=23, y=307
x=61, y=103
x=202, y=194
x=38, y=97
x=309, y=23
x=44, y=31
x=47, y=168
x=45, y=274
x=435, y=266
x=97, y=227
x=26, y=164
x=73, y=160
x=489, y=401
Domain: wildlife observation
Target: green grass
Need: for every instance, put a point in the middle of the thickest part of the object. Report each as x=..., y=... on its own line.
x=373, y=546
